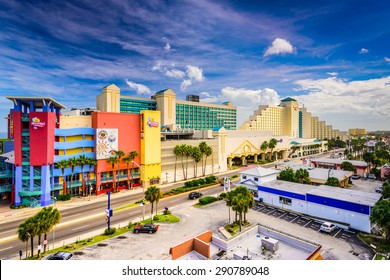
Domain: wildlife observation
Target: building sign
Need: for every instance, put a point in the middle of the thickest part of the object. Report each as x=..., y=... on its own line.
x=152, y=123
x=10, y=126
x=106, y=142
x=36, y=122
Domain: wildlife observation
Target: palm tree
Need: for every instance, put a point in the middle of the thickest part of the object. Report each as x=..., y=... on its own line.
x=31, y=231
x=187, y=152
x=130, y=158
x=228, y=199
x=264, y=146
x=152, y=194
x=238, y=205
x=62, y=164
x=302, y=176
x=72, y=162
x=90, y=162
x=197, y=157
x=176, y=152
x=119, y=154
x=82, y=160
x=24, y=235
x=202, y=147
x=179, y=151
x=113, y=160
x=51, y=217
x=272, y=144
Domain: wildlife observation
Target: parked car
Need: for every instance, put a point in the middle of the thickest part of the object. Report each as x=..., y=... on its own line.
x=146, y=228
x=379, y=189
x=371, y=176
x=355, y=176
x=328, y=227
x=60, y=256
x=195, y=195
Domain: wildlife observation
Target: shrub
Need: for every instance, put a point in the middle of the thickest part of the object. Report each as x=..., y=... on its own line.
x=63, y=197
x=109, y=231
x=167, y=212
x=18, y=207
x=156, y=218
x=222, y=195
x=130, y=225
x=207, y=200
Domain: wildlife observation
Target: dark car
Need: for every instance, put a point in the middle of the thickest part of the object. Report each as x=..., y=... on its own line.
x=146, y=228
x=195, y=195
x=355, y=176
x=60, y=256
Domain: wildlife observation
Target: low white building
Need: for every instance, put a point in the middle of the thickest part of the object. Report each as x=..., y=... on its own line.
x=348, y=207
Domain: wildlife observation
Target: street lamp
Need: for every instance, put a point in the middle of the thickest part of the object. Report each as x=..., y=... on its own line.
x=143, y=190
x=166, y=177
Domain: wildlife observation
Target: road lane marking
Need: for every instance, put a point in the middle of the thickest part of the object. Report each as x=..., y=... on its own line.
x=6, y=249
x=80, y=227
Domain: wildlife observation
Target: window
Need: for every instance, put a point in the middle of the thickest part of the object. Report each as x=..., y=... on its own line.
x=243, y=177
x=256, y=179
x=285, y=200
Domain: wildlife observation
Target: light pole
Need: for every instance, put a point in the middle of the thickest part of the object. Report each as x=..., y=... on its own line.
x=143, y=190
x=54, y=228
x=166, y=177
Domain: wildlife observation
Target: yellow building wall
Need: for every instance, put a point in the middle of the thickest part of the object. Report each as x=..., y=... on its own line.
x=150, y=145
x=75, y=121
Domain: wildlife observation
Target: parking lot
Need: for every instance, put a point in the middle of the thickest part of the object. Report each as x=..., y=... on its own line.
x=349, y=236
x=366, y=185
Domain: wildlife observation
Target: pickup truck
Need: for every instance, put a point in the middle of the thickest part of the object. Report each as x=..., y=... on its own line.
x=147, y=228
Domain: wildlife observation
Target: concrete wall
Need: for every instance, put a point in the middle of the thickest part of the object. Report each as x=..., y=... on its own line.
x=199, y=244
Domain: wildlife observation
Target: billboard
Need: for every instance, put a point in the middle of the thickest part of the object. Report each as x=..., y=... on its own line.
x=106, y=142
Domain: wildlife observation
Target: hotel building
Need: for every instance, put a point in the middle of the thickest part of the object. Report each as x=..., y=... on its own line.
x=289, y=119
x=175, y=114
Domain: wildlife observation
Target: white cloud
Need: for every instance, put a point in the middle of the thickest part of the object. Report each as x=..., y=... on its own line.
x=185, y=84
x=175, y=73
x=363, y=50
x=387, y=59
x=363, y=102
x=333, y=74
x=195, y=73
x=279, y=46
x=140, y=89
x=167, y=47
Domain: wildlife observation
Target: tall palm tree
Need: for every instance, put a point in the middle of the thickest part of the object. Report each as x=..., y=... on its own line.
x=82, y=160
x=130, y=158
x=113, y=160
x=264, y=146
x=24, y=235
x=62, y=164
x=152, y=194
x=72, y=162
x=228, y=199
x=119, y=154
x=91, y=162
x=177, y=153
x=51, y=216
x=272, y=144
x=197, y=157
x=208, y=151
x=202, y=147
x=238, y=205
x=187, y=151
x=32, y=232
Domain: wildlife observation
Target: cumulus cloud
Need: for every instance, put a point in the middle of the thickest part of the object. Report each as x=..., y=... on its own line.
x=195, y=73
x=139, y=88
x=363, y=50
x=387, y=59
x=361, y=101
x=167, y=47
x=245, y=100
x=185, y=84
x=175, y=73
x=333, y=74
x=279, y=47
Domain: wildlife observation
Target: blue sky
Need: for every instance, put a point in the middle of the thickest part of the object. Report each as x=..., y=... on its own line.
x=332, y=56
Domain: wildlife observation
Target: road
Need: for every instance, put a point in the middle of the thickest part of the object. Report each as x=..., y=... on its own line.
x=88, y=219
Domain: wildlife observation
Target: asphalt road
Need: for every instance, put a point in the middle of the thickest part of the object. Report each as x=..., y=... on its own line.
x=78, y=222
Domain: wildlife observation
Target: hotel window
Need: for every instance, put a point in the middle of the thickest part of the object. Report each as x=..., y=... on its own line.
x=285, y=200
x=256, y=179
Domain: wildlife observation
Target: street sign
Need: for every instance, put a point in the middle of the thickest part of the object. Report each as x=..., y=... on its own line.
x=226, y=184
x=44, y=242
x=109, y=212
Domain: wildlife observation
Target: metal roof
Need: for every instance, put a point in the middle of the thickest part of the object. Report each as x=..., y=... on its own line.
x=38, y=101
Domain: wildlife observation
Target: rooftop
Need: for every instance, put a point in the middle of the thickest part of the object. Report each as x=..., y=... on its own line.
x=340, y=161
x=38, y=101
x=260, y=171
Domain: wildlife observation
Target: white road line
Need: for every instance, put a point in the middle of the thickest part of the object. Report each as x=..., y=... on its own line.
x=78, y=214
x=6, y=249
x=271, y=212
x=80, y=227
x=136, y=212
x=11, y=230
